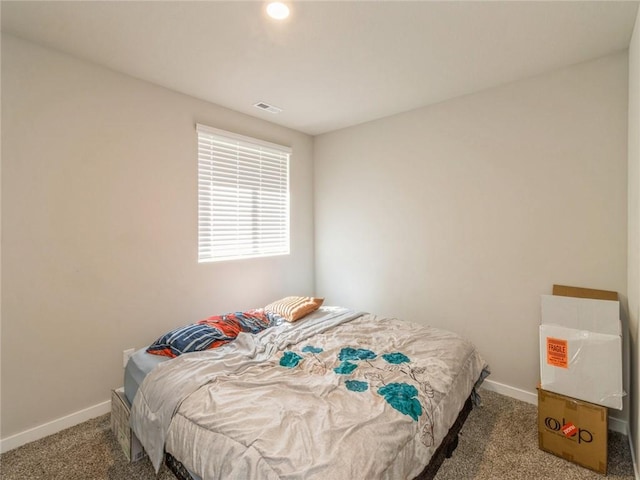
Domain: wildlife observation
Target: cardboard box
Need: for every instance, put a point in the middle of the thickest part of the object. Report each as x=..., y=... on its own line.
x=120, y=413
x=566, y=291
x=573, y=430
x=581, y=345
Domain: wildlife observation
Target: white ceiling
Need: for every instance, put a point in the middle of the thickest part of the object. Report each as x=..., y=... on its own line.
x=331, y=64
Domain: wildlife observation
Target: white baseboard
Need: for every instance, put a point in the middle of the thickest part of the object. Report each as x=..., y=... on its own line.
x=615, y=424
x=509, y=391
x=620, y=426
x=55, y=426
x=633, y=457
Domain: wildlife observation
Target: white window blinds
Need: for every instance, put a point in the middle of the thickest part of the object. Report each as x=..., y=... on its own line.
x=243, y=196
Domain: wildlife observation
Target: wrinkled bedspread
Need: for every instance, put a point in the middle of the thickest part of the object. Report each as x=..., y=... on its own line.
x=338, y=395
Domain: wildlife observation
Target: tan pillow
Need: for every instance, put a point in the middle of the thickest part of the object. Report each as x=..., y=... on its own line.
x=294, y=308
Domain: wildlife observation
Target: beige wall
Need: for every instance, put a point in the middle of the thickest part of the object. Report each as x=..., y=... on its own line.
x=99, y=228
x=462, y=214
x=634, y=231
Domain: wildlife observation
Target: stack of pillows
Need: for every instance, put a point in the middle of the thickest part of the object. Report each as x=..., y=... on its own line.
x=217, y=330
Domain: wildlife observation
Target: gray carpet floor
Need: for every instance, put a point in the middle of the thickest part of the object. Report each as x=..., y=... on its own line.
x=498, y=441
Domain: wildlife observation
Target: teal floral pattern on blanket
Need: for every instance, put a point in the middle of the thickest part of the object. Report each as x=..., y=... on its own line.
x=396, y=358
x=412, y=397
x=402, y=397
x=345, y=368
x=356, y=385
x=356, y=354
x=290, y=359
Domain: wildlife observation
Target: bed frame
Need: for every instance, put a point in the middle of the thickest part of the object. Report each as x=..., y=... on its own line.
x=448, y=445
x=444, y=451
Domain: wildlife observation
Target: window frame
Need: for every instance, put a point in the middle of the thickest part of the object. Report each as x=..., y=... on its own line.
x=257, y=200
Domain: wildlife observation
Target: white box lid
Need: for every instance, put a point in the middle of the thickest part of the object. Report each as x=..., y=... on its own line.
x=599, y=316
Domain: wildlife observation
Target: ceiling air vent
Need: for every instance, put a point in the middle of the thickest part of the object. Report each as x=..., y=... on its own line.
x=267, y=108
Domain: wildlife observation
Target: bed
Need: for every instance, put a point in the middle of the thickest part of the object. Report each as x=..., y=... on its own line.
x=338, y=394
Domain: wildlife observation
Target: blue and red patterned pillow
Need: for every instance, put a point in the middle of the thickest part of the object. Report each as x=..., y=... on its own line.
x=212, y=332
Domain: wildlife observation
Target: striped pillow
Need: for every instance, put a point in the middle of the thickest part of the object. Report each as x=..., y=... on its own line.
x=294, y=308
x=190, y=338
x=211, y=332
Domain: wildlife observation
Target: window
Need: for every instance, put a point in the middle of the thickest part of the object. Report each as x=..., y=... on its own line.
x=243, y=196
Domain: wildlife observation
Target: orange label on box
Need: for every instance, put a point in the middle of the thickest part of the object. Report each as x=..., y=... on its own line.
x=557, y=352
x=569, y=430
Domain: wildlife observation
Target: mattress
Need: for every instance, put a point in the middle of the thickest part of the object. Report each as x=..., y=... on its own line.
x=138, y=367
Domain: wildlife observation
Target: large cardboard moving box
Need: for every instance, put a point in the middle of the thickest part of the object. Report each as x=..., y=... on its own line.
x=573, y=429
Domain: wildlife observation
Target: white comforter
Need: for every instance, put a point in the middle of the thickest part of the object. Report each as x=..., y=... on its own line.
x=338, y=395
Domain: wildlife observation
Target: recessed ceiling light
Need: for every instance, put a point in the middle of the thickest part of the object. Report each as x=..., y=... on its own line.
x=277, y=10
